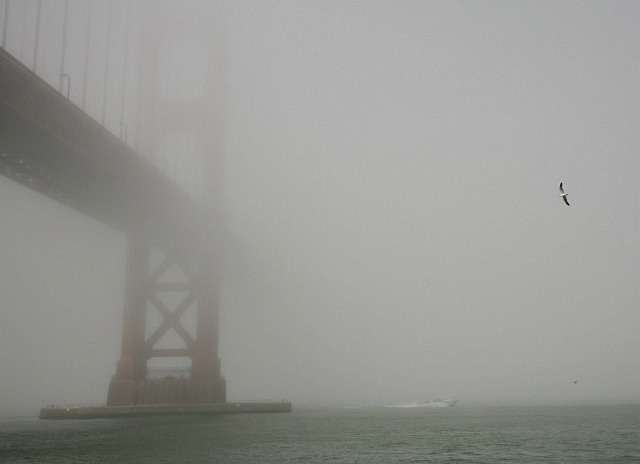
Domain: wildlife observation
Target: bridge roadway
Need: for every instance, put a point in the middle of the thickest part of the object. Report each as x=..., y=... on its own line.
x=50, y=145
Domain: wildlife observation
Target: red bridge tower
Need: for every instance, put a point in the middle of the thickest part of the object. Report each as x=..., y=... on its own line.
x=181, y=131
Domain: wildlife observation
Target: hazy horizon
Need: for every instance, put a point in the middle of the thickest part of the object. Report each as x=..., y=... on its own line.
x=395, y=231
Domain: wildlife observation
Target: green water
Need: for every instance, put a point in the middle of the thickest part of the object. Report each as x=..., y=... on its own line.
x=606, y=434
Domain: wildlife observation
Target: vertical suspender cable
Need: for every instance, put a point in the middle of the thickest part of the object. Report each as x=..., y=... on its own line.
x=123, y=126
x=142, y=146
x=6, y=23
x=139, y=84
x=35, y=45
x=23, y=36
x=106, y=68
x=86, y=56
x=64, y=49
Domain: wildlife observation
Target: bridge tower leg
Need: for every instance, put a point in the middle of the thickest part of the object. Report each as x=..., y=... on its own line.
x=131, y=369
x=190, y=112
x=208, y=384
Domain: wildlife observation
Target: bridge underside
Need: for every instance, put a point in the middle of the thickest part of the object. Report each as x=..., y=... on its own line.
x=50, y=145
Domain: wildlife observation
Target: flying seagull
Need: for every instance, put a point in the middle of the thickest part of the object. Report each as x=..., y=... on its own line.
x=563, y=195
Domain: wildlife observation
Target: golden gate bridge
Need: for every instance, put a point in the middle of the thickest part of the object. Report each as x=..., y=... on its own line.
x=115, y=109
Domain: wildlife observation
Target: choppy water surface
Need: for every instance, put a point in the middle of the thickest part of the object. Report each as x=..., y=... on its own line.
x=478, y=435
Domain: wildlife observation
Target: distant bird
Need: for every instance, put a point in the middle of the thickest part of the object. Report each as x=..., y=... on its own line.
x=575, y=381
x=564, y=195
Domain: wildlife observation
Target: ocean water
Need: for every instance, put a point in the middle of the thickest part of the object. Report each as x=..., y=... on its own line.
x=604, y=434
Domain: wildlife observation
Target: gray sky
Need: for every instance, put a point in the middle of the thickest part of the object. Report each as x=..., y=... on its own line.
x=391, y=174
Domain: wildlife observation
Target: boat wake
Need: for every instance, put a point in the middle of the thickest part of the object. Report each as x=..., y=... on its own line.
x=429, y=404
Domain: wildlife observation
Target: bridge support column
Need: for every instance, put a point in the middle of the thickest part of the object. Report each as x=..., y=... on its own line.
x=132, y=365
x=209, y=385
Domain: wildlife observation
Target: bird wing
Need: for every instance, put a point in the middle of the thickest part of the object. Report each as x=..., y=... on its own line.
x=566, y=201
x=561, y=189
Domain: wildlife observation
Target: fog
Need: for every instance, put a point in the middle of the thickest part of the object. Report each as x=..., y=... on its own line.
x=394, y=226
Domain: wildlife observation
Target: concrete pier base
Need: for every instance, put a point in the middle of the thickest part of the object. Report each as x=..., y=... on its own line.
x=169, y=390
x=103, y=412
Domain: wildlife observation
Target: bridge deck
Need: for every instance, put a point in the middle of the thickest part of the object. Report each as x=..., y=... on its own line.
x=49, y=144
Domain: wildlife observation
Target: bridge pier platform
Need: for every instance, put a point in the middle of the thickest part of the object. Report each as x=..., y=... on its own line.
x=107, y=412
